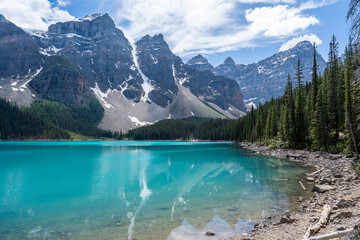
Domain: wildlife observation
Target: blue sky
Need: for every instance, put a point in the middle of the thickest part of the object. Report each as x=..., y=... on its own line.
x=246, y=30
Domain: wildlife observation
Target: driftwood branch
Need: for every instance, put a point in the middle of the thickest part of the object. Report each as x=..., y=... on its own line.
x=302, y=185
x=311, y=174
x=332, y=235
x=324, y=217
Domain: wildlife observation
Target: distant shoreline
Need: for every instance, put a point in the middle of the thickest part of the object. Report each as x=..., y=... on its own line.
x=106, y=140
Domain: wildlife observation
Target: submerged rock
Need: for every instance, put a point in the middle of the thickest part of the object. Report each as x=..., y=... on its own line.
x=209, y=233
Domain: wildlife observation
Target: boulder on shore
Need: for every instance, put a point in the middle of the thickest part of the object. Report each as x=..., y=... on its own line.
x=323, y=188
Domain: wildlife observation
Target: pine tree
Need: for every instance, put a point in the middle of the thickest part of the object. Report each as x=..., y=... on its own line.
x=259, y=124
x=314, y=81
x=332, y=85
x=319, y=123
x=349, y=98
x=288, y=123
x=299, y=108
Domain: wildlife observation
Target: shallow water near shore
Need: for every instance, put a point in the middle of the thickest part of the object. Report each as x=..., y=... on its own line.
x=139, y=190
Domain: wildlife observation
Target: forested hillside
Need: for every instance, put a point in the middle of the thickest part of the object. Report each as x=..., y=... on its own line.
x=48, y=119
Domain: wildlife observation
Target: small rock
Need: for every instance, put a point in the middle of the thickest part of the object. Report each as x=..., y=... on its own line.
x=345, y=203
x=232, y=209
x=310, y=179
x=314, y=219
x=322, y=188
x=286, y=220
x=210, y=233
x=287, y=213
x=119, y=224
x=340, y=228
x=344, y=215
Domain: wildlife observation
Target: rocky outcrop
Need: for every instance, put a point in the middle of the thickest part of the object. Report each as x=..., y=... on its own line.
x=219, y=90
x=61, y=81
x=19, y=53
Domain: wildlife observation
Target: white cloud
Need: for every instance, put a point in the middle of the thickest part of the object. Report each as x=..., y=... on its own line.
x=33, y=14
x=63, y=3
x=267, y=1
x=312, y=4
x=308, y=37
x=279, y=20
x=209, y=26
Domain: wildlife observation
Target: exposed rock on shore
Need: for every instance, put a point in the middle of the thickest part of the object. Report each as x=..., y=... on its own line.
x=336, y=185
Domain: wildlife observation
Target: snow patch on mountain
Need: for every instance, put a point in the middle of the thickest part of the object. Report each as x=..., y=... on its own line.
x=137, y=122
x=102, y=95
x=147, y=87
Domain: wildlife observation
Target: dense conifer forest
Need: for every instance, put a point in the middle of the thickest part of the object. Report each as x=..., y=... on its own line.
x=48, y=119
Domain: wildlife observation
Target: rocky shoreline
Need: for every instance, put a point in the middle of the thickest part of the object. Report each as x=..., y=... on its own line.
x=336, y=185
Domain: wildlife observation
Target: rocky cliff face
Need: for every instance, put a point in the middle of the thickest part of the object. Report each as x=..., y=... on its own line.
x=19, y=53
x=61, y=81
x=261, y=81
x=99, y=50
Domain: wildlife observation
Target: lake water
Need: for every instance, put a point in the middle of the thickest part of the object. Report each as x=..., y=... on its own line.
x=139, y=190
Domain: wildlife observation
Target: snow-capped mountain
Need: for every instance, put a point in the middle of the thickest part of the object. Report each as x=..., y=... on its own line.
x=136, y=82
x=261, y=81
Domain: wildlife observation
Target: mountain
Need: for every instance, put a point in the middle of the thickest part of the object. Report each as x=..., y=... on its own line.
x=261, y=81
x=200, y=63
x=137, y=83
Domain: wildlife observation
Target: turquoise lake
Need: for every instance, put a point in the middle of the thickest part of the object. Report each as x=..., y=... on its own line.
x=139, y=190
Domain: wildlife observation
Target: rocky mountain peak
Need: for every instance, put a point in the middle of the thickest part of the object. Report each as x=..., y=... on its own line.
x=96, y=25
x=198, y=59
x=200, y=63
x=2, y=18
x=303, y=46
x=94, y=16
x=229, y=61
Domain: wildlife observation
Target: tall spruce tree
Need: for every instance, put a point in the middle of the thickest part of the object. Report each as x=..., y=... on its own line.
x=319, y=125
x=332, y=85
x=289, y=123
x=314, y=81
x=349, y=99
x=299, y=108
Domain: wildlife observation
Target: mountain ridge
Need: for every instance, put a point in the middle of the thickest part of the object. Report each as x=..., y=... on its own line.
x=137, y=83
x=261, y=81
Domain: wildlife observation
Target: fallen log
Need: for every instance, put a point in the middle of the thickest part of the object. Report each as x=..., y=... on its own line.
x=324, y=217
x=332, y=235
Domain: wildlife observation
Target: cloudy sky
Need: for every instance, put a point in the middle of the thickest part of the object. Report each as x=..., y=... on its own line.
x=247, y=30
